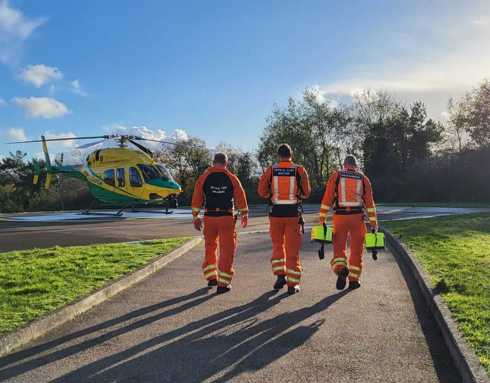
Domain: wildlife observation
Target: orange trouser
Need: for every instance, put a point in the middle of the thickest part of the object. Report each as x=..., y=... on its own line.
x=286, y=242
x=351, y=226
x=220, y=229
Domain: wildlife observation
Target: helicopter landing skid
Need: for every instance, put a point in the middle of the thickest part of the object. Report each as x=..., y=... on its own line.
x=88, y=212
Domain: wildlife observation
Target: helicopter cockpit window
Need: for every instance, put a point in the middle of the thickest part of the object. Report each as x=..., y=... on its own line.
x=109, y=177
x=165, y=174
x=135, y=178
x=121, y=182
x=149, y=172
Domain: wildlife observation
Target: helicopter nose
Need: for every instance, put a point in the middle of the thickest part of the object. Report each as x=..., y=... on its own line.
x=176, y=186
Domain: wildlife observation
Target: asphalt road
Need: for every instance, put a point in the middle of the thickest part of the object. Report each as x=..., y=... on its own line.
x=169, y=328
x=16, y=234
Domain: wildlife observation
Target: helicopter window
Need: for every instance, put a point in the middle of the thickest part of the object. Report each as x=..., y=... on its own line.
x=109, y=177
x=135, y=178
x=165, y=174
x=121, y=182
x=149, y=172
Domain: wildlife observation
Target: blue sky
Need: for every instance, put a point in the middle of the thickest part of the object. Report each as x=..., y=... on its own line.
x=215, y=68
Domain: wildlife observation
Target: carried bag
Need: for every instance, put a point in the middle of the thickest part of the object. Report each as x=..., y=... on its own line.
x=322, y=234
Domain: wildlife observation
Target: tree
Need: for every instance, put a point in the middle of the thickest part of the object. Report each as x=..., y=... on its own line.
x=187, y=160
x=395, y=140
x=472, y=113
x=314, y=128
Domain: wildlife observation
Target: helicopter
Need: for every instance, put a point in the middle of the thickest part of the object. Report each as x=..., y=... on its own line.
x=119, y=176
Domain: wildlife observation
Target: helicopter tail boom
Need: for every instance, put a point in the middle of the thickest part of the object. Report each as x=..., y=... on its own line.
x=46, y=153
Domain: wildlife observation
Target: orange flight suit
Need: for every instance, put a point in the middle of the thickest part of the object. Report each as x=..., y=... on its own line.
x=285, y=184
x=350, y=195
x=218, y=190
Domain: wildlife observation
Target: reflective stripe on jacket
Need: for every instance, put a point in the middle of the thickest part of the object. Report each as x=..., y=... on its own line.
x=348, y=190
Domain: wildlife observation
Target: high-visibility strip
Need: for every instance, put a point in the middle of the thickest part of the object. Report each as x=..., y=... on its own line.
x=279, y=268
x=285, y=202
x=354, y=268
x=243, y=211
x=339, y=260
x=225, y=282
x=324, y=207
x=294, y=280
x=209, y=267
x=294, y=272
x=359, y=190
x=372, y=219
x=350, y=204
x=278, y=261
x=371, y=210
x=292, y=187
x=342, y=192
x=322, y=214
x=210, y=274
x=354, y=273
x=225, y=275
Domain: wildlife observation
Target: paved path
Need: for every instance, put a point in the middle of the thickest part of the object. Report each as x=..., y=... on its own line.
x=171, y=329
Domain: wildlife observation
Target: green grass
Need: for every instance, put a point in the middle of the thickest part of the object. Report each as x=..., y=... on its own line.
x=35, y=282
x=436, y=204
x=455, y=251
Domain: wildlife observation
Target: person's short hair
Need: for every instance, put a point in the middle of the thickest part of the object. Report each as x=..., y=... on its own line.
x=351, y=160
x=220, y=158
x=284, y=151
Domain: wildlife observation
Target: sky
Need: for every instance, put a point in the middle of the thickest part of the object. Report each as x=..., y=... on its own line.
x=215, y=69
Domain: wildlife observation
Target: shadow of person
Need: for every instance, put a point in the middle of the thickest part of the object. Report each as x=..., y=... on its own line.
x=228, y=343
x=11, y=367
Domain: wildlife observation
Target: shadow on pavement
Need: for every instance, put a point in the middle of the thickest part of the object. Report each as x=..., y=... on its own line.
x=227, y=343
x=443, y=364
x=6, y=372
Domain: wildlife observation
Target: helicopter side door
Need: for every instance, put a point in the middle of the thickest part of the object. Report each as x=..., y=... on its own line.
x=134, y=180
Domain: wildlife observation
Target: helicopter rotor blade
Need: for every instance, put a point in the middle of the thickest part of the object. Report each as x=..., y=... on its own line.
x=152, y=140
x=90, y=144
x=60, y=139
x=141, y=147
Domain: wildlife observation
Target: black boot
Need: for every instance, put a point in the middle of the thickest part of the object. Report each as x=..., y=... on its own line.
x=354, y=285
x=293, y=290
x=342, y=278
x=223, y=289
x=280, y=282
x=212, y=283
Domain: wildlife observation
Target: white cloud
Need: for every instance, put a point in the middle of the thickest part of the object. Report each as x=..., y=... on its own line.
x=481, y=21
x=65, y=144
x=16, y=134
x=180, y=135
x=145, y=132
x=428, y=64
x=40, y=74
x=77, y=88
x=2, y=102
x=15, y=28
x=41, y=107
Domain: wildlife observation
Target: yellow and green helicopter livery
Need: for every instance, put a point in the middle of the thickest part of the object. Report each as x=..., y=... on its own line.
x=118, y=176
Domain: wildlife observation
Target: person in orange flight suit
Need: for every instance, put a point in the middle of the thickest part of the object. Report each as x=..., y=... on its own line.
x=219, y=191
x=285, y=185
x=349, y=193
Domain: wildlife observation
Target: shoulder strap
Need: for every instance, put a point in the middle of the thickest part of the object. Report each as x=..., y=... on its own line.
x=299, y=180
x=336, y=191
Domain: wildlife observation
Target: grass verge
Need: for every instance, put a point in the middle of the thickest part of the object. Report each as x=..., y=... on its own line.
x=35, y=282
x=455, y=251
x=436, y=204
